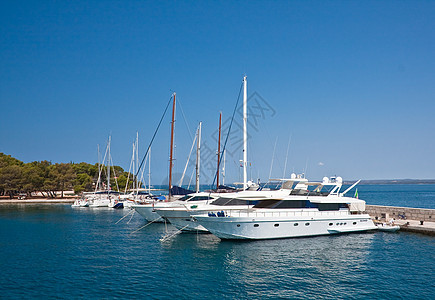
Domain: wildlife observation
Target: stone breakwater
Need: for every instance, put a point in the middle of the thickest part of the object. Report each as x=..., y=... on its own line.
x=419, y=220
x=379, y=212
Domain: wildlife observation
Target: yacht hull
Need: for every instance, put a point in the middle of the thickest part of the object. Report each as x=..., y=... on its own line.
x=182, y=220
x=264, y=228
x=147, y=211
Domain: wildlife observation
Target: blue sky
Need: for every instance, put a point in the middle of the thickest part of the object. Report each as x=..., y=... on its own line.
x=351, y=82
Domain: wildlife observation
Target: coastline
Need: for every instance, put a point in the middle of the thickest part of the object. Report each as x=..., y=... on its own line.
x=37, y=200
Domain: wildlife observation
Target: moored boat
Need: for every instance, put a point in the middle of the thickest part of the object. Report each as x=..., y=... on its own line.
x=319, y=211
x=387, y=227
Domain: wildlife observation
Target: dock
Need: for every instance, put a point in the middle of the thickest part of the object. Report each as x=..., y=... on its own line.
x=419, y=220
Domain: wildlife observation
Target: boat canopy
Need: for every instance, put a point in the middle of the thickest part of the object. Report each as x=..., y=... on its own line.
x=178, y=190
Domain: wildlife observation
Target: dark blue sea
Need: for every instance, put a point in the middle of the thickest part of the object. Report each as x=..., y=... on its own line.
x=55, y=251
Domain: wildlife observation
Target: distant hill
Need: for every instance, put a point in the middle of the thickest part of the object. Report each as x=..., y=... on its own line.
x=394, y=181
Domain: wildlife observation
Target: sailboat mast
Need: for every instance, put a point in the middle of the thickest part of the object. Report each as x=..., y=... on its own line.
x=149, y=171
x=137, y=161
x=108, y=165
x=99, y=167
x=198, y=156
x=172, y=147
x=219, y=151
x=245, y=131
x=223, y=169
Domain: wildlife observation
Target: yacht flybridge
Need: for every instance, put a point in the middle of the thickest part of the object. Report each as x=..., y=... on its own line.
x=313, y=208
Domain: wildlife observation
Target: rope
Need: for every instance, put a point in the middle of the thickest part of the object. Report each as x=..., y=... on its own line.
x=145, y=225
x=131, y=217
x=157, y=129
x=172, y=235
x=124, y=217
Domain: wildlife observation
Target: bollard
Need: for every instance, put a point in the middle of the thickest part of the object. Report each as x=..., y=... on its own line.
x=421, y=222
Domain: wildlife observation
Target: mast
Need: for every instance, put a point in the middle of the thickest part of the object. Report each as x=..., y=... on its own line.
x=245, y=131
x=99, y=166
x=223, y=169
x=219, y=151
x=172, y=147
x=108, y=165
x=137, y=162
x=198, y=156
x=149, y=171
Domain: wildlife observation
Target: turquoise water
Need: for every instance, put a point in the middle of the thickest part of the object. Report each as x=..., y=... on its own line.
x=406, y=195
x=54, y=251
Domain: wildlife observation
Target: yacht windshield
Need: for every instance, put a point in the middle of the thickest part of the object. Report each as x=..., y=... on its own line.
x=271, y=185
x=199, y=198
x=232, y=201
x=184, y=198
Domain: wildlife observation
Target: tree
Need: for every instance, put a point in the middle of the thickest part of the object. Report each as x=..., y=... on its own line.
x=64, y=176
x=11, y=179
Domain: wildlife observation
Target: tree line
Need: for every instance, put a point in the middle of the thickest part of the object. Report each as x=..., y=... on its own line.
x=47, y=178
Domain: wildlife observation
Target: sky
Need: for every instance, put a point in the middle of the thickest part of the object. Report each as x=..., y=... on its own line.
x=342, y=88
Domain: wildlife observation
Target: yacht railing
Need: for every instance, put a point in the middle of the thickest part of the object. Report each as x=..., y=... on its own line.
x=288, y=213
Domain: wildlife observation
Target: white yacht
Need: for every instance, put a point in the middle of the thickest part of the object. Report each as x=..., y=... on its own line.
x=319, y=210
x=180, y=216
x=103, y=198
x=148, y=210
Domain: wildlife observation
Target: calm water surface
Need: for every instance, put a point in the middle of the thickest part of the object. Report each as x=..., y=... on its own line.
x=55, y=251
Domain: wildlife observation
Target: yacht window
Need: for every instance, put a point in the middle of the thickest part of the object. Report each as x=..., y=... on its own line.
x=199, y=198
x=238, y=225
x=299, y=192
x=184, y=198
x=354, y=223
x=296, y=224
x=337, y=224
x=230, y=201
x=329, y=206
x=276, y=225
x=307, y=224
x=256, y=225
x=291, y=204
x=330, y=224
x=345, y=223
x=270, y=203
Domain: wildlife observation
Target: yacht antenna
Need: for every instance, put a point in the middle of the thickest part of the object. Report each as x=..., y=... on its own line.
x=273, y=156
x=351, y=187
x=286, y=156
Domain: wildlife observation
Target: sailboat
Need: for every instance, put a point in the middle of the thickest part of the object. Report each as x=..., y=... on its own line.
x=147, y=210
x=180, y=216
x=104, y=197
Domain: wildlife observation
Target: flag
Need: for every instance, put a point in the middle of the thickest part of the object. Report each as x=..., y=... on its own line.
x=356, y=194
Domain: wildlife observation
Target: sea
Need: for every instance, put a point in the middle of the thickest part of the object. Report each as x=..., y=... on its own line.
x=55, y=251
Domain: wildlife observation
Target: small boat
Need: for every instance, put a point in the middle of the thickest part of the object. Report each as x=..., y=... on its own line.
x=387, y=227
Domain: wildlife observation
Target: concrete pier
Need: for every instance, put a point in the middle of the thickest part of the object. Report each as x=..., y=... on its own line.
x=420, y=220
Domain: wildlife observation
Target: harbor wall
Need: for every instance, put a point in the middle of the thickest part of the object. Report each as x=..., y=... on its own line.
x=385, y=213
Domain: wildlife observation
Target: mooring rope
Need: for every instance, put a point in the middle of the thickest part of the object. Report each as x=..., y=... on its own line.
x=124, y=217
x=172, y=235
x=131, y=216
x=145, y=225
